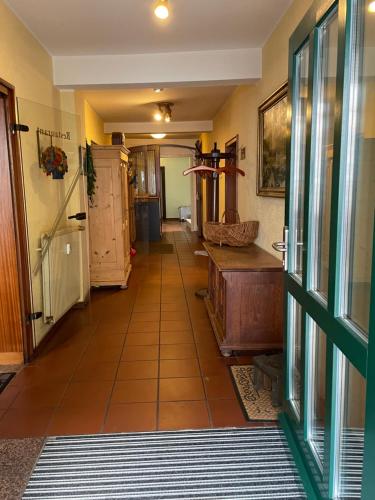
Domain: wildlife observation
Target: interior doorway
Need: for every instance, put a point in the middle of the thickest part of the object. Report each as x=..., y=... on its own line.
x=231, y=181
x=176, y=188
x=15, y=328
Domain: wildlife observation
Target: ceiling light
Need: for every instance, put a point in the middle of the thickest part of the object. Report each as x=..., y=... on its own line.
x=161, y=10
x=158, y=116
x=371, y=7
x=158, y=136
x=158, y=90
x=167, y=118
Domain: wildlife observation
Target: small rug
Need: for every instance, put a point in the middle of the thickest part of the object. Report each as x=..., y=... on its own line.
x=185, y=465
x=5, y=378
x=256, y=405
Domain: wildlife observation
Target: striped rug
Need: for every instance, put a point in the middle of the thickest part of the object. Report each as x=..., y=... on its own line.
x=205, y=464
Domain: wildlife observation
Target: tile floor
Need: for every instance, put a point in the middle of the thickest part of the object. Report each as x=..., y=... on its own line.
x=134, y=360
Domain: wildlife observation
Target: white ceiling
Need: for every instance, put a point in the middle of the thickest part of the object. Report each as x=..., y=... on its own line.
x=138, y=105
x=89, y=27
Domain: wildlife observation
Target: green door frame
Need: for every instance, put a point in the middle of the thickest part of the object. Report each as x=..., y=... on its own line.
x=339, y=335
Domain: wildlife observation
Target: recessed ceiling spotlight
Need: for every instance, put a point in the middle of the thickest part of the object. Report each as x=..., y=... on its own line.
x=158, y=136
x=371, y=7
x=158, y=90
x=161, y=9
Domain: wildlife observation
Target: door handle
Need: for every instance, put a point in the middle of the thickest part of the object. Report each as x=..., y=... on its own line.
x=279, y=246
x=282, y=246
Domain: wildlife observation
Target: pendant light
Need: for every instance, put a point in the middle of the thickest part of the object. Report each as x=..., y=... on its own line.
x=161, y=9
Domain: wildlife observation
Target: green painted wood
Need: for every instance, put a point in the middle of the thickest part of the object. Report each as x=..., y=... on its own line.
x=341, y=337
x=368, y=481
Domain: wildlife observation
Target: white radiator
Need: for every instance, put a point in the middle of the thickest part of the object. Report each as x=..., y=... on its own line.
x=61, y=271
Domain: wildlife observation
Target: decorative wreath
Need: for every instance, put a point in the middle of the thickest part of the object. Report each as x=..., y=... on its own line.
x=54, y=161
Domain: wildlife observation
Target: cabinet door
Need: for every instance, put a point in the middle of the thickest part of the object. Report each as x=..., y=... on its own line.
x=125, y=212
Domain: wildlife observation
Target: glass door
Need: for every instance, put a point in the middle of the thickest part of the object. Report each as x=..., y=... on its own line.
x=329, y=416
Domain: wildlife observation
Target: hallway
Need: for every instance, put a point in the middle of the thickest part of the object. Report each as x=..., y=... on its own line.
x=140, y=359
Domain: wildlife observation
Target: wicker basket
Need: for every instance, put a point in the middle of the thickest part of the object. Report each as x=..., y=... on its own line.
x=239, y=234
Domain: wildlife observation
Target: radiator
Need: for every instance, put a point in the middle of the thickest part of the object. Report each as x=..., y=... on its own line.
x=61, y=273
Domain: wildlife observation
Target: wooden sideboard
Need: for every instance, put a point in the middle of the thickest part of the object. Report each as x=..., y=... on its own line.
x=245, y=298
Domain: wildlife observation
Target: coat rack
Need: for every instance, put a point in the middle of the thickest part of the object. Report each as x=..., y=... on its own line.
x=213, y=170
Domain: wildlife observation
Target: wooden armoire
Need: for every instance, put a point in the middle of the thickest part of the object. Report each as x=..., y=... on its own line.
x=109, y=218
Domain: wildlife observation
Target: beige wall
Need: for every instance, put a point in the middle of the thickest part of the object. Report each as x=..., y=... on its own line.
x=28, y=67
x=239, y=116
x=177, y=186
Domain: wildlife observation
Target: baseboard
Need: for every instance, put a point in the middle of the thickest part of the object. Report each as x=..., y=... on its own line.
x=11, y=358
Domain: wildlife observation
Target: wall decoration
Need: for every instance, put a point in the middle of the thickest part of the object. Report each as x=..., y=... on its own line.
x=54, y=161
x=272, y=140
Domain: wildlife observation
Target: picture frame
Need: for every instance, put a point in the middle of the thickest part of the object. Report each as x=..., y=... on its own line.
x=272, y=144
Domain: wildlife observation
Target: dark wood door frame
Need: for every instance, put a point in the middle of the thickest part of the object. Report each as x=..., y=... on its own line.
x=20, y=223
x=163, y=193
x=231, y=181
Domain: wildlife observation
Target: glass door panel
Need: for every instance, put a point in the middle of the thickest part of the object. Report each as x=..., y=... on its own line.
x=352, y=407
x=294, y=355
x=322, y=152
x=299, y=137
x=359, y=172
x=316, y=379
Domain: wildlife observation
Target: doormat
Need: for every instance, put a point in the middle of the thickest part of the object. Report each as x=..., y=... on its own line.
x=256, y=405
x=5, y=378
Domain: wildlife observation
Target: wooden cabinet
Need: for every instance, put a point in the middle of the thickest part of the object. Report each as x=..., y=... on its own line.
x=109, y=218
x=245, y=298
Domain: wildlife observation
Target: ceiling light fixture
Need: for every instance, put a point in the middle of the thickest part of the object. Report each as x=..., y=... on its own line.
x=371, y=7
x=161, y=9
x=158, y=90
x=165, y=111
x=158, y=136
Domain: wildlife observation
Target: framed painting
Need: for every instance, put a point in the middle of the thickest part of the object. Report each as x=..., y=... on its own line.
x=272, y=139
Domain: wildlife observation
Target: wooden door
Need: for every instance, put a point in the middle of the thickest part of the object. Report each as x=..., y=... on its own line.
x=13, y=326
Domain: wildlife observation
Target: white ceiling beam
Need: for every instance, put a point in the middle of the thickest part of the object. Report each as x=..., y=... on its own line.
x=148, y=70
x=157, y=127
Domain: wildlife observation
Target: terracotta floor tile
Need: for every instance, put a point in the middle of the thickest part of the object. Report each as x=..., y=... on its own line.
x=76, y=420
x=176, y=306
x=216, y=366
x=140, y=353
x=175, y=316
x=131, y=417
x=145, y=307
x=177, y=351
x=133, y=339
x=174, y=325
x=20, y=423
x=44, y=396
x=87, y=394
x=143, y=327
x=228, y=413
x=102, y=354
x=181, y=389
x=8, y=395
x=134, y=391
x=110, y=340
x=219, y=387
x=88, y=371
x=183, y=415
x=176, y=338
x=208, y=351
x=179, y=368
x=146, y=316
x=131, y=370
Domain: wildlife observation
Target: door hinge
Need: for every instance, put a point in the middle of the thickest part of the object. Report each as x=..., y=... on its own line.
x=18, y=127
x=33, y=316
